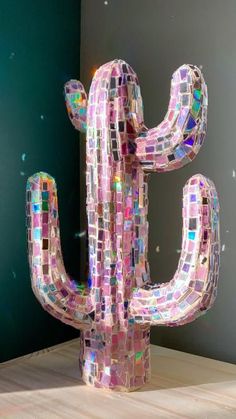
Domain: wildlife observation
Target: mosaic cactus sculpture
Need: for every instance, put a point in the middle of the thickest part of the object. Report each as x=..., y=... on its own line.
x=115, y=311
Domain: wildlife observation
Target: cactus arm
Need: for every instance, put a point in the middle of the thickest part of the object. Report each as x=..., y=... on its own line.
x=193, y=287
x=178, y=138
x=76, y=104
x=57, y=293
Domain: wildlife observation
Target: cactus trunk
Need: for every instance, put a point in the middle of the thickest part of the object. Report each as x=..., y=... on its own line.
x=116, y=359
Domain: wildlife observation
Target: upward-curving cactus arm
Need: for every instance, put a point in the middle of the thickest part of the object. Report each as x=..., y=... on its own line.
x=177, y=139
x=194, y=285
x=62, y=297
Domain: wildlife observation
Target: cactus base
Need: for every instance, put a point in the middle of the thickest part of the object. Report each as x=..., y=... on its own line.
x=117, y=360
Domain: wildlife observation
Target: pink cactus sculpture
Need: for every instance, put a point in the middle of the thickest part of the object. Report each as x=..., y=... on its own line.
x=115, y=311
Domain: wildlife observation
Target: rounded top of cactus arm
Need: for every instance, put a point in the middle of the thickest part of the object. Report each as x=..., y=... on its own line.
x=177, y=140
x=76, y=104
x=36, y=179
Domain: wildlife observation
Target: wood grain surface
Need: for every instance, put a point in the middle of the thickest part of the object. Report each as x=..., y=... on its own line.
x=47, y=385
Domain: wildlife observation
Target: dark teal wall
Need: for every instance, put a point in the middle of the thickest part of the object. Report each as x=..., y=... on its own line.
x=39, y=52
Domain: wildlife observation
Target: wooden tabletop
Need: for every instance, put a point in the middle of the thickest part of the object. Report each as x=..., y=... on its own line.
x=47, y=385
